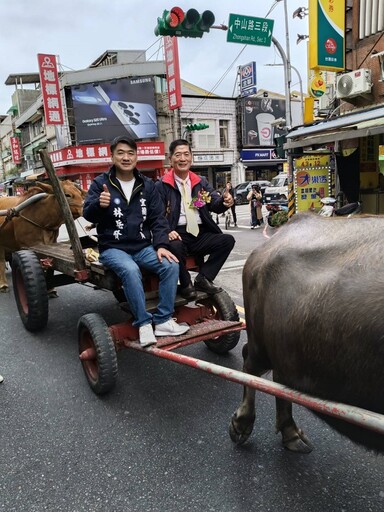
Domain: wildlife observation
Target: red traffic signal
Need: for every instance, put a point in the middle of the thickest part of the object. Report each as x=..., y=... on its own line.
x=190, y=24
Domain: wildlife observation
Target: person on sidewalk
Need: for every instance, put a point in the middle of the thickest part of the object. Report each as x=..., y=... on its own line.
x=132, y=235
x=255, y=197
x=188, y=201
x=233, y=207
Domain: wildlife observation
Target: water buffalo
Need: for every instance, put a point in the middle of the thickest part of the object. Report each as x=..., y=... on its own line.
x=314, y=309
x=37, y=223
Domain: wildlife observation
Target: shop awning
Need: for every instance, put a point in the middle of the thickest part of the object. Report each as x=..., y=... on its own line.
x=350, y=126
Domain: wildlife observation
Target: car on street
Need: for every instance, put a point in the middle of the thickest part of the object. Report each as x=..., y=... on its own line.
x=278, y=189
x=243, y=189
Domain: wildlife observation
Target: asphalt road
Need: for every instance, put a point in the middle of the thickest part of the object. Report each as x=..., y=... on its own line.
x=159, y=442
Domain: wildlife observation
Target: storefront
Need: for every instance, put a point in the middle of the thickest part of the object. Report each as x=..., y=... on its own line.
x=355, y=141
x=261, y=164
x=83, y=163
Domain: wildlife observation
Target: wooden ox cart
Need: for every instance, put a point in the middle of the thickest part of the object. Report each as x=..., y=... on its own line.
x=213, y=319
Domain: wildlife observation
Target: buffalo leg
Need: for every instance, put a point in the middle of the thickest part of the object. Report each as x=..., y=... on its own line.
x=294, y=438
x=243, y=419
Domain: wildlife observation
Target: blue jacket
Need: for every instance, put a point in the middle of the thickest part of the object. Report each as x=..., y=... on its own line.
x=127, y=226
x=171, y=197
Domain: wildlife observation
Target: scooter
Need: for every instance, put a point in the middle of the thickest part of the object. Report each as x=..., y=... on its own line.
x=329, y=209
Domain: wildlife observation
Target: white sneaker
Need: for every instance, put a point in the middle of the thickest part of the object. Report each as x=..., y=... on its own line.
x=146, y=335
x=170, y=328
x=1, y=378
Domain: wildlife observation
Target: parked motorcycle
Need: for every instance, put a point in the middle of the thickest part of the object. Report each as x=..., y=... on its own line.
x=329, y=209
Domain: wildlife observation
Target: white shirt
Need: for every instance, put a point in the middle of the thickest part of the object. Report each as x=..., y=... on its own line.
x=179, y=183
x=127, y=187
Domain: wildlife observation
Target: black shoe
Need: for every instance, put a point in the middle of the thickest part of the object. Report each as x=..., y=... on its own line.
x=204, y=285
x=188, y=293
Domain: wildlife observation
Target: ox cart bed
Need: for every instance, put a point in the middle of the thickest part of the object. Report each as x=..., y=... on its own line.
x=213, y=319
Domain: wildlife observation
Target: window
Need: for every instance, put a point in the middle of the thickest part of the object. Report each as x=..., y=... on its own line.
x=371, y=18
x=206, y=138
x=223, y=129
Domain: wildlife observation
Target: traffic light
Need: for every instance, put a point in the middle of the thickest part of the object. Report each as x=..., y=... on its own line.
x=195, y=127
x=178, y=23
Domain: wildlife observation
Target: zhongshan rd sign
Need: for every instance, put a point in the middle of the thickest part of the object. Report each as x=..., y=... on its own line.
x=249, y=30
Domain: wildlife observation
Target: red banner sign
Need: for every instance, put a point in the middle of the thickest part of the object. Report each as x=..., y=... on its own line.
x=100, y=153
x=16, y=150
x=49, y=79
x=172, y=67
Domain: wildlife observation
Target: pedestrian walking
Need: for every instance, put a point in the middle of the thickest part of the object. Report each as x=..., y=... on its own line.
x=231, y=191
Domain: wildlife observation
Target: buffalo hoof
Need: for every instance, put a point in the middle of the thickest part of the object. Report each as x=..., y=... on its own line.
x=4, y=289
x=299, y=443
x=237, y=436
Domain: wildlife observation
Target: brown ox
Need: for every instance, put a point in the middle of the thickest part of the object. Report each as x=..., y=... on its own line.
x=314, y=308
x=37, y=223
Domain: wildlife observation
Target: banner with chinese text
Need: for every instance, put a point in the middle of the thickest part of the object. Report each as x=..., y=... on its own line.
x=50, y=89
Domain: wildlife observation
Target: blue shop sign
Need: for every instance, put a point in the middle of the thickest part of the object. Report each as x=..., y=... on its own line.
x=258, y=154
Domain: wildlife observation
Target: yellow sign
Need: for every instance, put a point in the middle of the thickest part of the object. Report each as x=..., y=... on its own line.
x=317, y=85
x=327, y=34
x=312, y=180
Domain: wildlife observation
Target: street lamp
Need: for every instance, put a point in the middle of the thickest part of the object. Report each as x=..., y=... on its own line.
x=300, y=85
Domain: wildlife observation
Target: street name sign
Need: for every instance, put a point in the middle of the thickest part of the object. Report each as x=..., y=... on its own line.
x=249, y=30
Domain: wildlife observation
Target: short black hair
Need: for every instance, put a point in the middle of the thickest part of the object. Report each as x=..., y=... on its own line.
x=122, y=138
x=179, y=142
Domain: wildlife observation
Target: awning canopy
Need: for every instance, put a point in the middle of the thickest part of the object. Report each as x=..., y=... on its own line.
x=350, y=126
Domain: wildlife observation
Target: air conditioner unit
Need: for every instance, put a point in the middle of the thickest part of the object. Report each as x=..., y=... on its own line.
x=354, y=83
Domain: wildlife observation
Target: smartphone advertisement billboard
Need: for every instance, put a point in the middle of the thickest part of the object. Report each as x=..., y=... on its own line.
x=105, y=110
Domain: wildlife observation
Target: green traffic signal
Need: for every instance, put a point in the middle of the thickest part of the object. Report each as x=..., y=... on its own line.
x=195, y=127
x=190, y=24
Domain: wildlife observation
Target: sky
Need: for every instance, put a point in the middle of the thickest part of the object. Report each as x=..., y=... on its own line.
x=79, y=31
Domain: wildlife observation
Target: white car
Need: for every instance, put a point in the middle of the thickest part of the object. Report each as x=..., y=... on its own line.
x=278, y=189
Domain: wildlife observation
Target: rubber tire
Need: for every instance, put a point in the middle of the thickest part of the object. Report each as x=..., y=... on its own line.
x=225, y=310
x=30, y=290
x=101, y=372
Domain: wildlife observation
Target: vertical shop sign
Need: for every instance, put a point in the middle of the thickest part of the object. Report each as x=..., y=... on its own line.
x=327, y=34
x=49, y=79
x=313, y=179
x=172, y=66
x=16, y=150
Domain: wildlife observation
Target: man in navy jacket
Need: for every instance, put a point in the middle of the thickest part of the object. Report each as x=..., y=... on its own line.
x=209, y=239
x=132, y=234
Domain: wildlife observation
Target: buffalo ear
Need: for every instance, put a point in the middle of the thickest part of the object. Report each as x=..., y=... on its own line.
x=45, y=187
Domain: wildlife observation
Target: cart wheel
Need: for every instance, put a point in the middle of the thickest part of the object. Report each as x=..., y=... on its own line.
x=97, y=353
x=223, y=308
x=30, y=290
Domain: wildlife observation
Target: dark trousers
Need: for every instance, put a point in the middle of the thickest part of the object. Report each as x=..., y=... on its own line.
x=233, y=210
x=217, y=245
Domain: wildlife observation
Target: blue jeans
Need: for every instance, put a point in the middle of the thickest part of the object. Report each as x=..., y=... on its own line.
x=127, y=267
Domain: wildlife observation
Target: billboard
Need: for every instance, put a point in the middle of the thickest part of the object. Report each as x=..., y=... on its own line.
x=258, y=114
x=105, y=110
x=326, y=34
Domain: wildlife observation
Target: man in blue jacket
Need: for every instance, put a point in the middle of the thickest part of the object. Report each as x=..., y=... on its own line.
x=132, y=234
x=188, y=200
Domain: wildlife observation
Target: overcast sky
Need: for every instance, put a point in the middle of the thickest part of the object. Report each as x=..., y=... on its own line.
x=79, y=31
